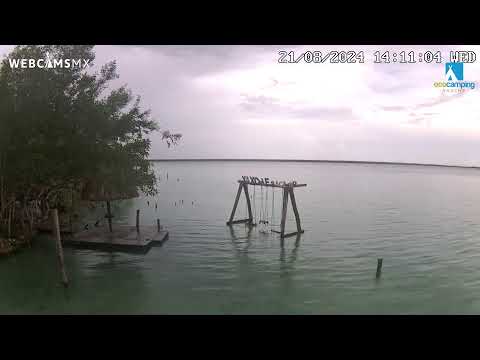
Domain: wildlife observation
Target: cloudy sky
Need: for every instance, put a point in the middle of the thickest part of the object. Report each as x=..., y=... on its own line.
x=239, y=102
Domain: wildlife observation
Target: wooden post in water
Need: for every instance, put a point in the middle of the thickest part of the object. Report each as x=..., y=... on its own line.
x=109, y=216
x=158, y=225
x=137, y=221
x=284, y=212
x=379, y=268
x=56, y=231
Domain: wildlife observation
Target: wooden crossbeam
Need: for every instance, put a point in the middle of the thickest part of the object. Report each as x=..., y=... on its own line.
x=272, y=185
x=293, y=233
x=238, y=221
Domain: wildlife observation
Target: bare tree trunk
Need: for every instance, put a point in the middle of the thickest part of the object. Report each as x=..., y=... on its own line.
x=2, y=182
x=9, y=223
x=13, y=213
x=2, y=201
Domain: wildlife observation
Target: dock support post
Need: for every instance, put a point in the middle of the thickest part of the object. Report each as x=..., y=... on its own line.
x=137, y=222
x=109, y=216
x=158, y=225
x=295, y=210
x=284, y=212
x=56, y=231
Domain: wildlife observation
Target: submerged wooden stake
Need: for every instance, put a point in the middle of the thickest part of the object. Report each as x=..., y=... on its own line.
x=137, y=222
x=379, y=268
x=56, y=230
x=109, y=215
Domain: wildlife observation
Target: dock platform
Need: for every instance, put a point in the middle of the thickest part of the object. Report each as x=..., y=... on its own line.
x=122, y=239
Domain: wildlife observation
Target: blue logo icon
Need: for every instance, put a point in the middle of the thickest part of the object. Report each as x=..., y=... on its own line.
x=454, y=71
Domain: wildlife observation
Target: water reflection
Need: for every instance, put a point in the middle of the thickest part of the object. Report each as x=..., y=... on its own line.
x=119, y=279
x=293, y=255
x=236, y=241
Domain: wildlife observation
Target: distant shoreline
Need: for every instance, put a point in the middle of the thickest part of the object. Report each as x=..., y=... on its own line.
x=322, y=161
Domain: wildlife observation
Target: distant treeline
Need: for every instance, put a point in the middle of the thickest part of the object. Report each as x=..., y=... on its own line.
x=326, y=161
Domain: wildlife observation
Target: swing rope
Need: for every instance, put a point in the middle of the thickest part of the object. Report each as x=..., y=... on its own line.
x=246, y=209
x=261, y=205
x=266, y=206
x=254, y=206
x=273, y=209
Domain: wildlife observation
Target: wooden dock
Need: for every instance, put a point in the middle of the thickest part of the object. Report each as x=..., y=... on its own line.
x=122, y=238
x=6, y=247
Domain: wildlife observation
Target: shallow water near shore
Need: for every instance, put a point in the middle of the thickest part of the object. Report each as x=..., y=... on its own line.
x=423, y=221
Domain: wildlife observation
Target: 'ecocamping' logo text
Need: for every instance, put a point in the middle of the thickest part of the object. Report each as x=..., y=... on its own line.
x=454, y=79
x=48, y=63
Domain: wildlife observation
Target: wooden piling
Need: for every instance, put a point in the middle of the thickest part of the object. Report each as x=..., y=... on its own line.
x=379, y=268
x=158, y=225
x=109, y=215
x=56, y=231
x=137, y=221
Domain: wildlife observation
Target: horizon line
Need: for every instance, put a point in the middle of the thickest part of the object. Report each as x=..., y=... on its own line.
x=322, y=161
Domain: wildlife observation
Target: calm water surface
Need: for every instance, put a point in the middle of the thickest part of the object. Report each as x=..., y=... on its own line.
x=423, y=221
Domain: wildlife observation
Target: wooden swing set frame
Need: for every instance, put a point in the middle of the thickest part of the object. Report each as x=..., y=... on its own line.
x=287, y=192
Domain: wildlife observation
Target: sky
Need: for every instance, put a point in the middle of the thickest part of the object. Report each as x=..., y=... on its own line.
x=240, y=102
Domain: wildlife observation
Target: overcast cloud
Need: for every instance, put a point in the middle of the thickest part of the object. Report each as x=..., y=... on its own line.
x=239, y=102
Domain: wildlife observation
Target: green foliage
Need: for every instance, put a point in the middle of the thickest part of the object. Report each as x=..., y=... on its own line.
x=63, y=127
